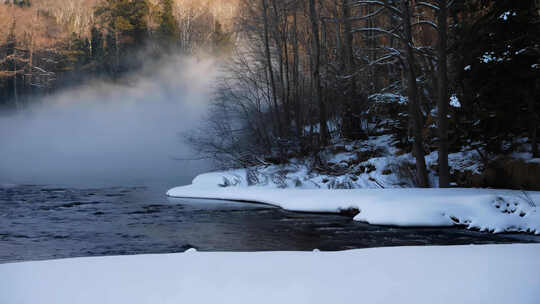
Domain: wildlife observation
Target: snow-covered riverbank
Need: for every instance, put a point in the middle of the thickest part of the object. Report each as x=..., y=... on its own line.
x=449, y=274
x=484, y=209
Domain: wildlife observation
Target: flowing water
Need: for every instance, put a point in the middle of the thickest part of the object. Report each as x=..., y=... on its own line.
x=44, y=222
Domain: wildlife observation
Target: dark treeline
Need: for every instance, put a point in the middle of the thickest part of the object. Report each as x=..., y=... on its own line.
x=439, y=75
x=50, y=44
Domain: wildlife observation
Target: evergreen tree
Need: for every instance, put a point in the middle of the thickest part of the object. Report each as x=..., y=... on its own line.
x=11, y=67
x=96, y=38
x=499, y=72
x=127, y=28
x=78, y=53
x=168, y=27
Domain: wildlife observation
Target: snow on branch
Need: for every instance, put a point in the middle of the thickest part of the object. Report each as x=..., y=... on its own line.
x=385, y=57
x=379, y=30
x=375, y=13
x=425, y=51
x=384, y=48
x=43, y=71
x=426, y=22
x=429, y=5
x=394, y=9
x=394, y=50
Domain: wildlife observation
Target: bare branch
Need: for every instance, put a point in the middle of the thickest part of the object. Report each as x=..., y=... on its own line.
x=429, y=5
x=379, y=30
x=394, y=9
x=43, y=71
x=375, y=13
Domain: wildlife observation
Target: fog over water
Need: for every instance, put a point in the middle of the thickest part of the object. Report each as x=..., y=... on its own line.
x=104, y=134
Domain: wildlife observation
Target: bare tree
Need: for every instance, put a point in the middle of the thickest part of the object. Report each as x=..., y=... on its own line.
x=443, y=97
x=412, y=91
x=407, y=56
x=316, y=46
x=349, y=65
x=270, y=67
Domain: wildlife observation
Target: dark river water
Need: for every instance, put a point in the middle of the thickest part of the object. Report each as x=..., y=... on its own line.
x=44, y=222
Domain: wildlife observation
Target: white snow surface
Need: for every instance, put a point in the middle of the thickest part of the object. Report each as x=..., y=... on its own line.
x=483, y=209
x=434, y=274
x=370, y=176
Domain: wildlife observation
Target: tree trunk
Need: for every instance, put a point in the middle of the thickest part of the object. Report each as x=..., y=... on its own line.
x=414, y=110
x=15, y=92
x=350, y=69
x=533, y=121
x=283, y=126
x=442, y=104
x=117, y=50
x=270, y=69
x=287, y=98
x=323, y=127
x=31, y=60
x=296, y=95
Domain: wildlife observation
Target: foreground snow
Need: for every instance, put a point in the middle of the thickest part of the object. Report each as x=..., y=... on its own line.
x=438, y=274
x=483, y=209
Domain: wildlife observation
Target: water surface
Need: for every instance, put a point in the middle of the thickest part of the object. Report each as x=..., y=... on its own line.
x=45, y=222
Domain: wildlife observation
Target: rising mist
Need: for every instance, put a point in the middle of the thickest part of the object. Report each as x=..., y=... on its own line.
x=111, y=134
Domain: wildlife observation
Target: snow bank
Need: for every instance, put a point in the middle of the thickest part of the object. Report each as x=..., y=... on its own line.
x=484, y=209
x=360, y=170
x=221, y=179
x=439, y=274
x=373, y=163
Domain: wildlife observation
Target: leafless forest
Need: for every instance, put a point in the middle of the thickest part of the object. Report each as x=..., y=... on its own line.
x=300, y=75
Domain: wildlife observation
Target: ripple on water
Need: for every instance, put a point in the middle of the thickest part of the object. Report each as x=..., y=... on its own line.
x=44, y=222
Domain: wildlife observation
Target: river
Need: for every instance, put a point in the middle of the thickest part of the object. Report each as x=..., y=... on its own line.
x=48, y=222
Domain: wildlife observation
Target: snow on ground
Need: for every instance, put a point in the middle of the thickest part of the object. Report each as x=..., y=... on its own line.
x=373, y=163
x=484, y=209
x=370, y=176
x=526, y=156
x=433, y=274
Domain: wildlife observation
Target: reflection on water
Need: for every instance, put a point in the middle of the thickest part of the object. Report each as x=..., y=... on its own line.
x=38, y=222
